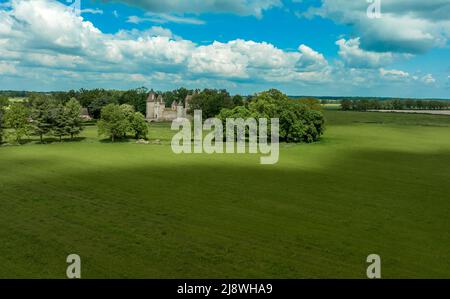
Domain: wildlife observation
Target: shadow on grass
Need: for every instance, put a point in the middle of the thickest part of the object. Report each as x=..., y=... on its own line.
x=63, y=140
x=46, y=140
x=211, y=219
x=118, y=140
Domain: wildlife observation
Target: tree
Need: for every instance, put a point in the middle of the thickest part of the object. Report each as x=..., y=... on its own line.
x=420, y=104
x=62, y=97
x=128, y=110
x=72, y=116
x=311, y=103
x=87, y=97
x=181, y=94
x=41, y=107
x=237, y=112
x=169, y=98
x=397, y=104
x=178, y=95
x=361, y=105
x=59, y=121
x=113, y=122
x=96, y=106
x=410, y=104
x=17, y=118
x=238, y=100
x=4, y=102
x=211, y=101
x=136, y=98
x=346, y=105
x=139, y=126
x=375, y=105
x=299, y=122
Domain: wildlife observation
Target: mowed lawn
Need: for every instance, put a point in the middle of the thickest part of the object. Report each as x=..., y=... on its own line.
x=376, y=183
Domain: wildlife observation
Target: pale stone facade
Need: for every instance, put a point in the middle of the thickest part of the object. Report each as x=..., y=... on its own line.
x=157, y=110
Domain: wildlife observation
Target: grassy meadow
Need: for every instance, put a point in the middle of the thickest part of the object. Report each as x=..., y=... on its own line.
x=375, y=183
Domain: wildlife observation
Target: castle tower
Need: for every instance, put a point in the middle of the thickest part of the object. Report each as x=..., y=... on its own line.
x=161, y=106
x=174, y=105
x=151, y=106
x=187, y=101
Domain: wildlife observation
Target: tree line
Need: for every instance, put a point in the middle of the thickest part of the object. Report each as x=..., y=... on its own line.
x=95, y=99
x=119, y=113
x=39, y=116
x=300, y=120
x=408, y=104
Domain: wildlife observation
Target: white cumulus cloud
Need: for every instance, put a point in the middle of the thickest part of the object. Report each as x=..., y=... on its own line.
x=354, y=56
x=46, y=36
x=406, y=26
x=239, y=7
x=428, y=79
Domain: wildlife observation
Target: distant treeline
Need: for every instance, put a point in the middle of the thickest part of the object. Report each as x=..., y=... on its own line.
x=409, y=104
x=95, y=99
x=334, y=99
x=121, y=112
x=14, y=94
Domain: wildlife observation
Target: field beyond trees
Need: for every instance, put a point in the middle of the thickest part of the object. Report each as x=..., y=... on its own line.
x=374, y=183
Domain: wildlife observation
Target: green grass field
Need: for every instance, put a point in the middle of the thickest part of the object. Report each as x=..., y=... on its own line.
x=376, y=183
x=331, y=106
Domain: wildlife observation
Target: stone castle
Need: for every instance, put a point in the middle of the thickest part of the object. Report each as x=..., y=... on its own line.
x=157, y=110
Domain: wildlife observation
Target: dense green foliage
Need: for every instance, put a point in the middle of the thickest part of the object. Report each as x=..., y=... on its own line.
x=364, y=105
x=59, y=122
x=137, y=98
x=96, y=99
x=116, y=121
x=73, y=121
x=299, y=122
x=96, y=106
x=4, y=102
x=375, y=183
x=13, y=94
x=211, y=101
x=17, y=119
x=178, y=95
x=138, y=125
x=41, y=114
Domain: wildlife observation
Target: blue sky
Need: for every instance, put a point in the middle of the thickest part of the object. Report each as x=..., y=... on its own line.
x=302, y=47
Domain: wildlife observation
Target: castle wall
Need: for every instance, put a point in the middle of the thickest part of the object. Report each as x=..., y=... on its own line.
x=157, y=111
x=150, y=110
x=169, y=115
